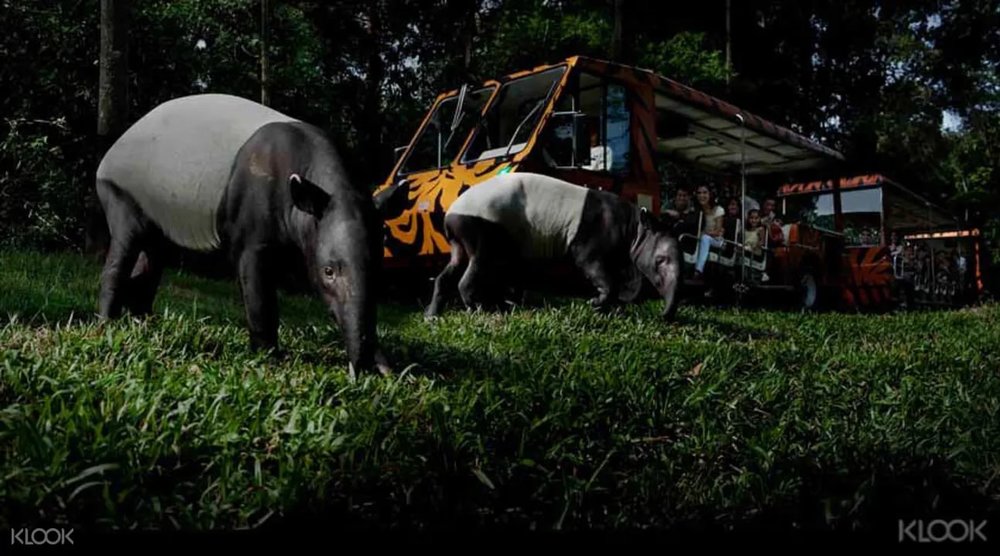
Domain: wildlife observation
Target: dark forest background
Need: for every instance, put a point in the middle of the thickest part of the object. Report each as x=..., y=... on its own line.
x=910, y=89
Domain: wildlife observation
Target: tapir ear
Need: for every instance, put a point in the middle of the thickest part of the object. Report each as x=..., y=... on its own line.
x=645, y=218
x=307, y=196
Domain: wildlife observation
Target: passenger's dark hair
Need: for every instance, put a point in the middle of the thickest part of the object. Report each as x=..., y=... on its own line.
x=712, y=201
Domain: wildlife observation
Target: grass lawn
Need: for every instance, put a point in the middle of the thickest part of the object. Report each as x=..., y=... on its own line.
x=547, y=417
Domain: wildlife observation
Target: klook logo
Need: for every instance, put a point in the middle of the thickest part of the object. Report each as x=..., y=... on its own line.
x=30, y=537
x=939, y=530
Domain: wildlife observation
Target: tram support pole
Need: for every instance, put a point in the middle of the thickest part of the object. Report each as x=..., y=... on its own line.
x=741, y=289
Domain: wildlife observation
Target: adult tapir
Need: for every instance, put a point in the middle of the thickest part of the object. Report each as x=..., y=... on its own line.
x=517, y=218
x=221, y=173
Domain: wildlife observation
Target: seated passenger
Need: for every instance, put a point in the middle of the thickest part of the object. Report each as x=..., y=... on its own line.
x=600, y=155
x=753, y=234
x=771, y=222
x=733, y=208
x=729, y=222
x=557, y=149
x=711, y=235
x=895, y=247
x=685, y=217
x=767, y=214
x=682, y=203
x=909, y=255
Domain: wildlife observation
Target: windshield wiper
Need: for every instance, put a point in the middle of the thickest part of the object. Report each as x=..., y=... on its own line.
x=456, y=119
x=517, y=130
x=541, y=102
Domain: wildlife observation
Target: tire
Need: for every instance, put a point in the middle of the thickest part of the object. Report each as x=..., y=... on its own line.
x=809, y=291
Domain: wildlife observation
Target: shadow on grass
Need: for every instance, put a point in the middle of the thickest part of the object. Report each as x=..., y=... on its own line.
x=872, y=496
x=737, y=331
x=869, y=500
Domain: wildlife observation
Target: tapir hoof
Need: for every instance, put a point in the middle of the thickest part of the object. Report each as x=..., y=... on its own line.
x=601, y=305
x=382, y=364
x=669, y=315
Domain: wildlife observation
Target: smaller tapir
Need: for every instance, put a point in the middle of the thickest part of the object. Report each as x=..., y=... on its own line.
x=521, y=217
x=221, y=173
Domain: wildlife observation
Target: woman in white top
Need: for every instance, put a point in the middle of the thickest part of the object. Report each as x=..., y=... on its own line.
x=711, y=235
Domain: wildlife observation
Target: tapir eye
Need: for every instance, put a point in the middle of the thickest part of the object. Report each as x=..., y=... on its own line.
x=333, y=269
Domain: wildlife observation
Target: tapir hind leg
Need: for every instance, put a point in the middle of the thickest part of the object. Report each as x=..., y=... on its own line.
x=444, y=285
x=486, y=246
x=471, y=286
x=128, y=227
x=145, y=277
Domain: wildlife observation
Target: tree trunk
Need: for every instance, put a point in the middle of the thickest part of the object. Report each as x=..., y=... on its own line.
x=265, y=64
x=113, y=88
x=617, y=46
x=470, y=28
x=372, y=109
x=729, y=43
x=463, y=12
x=470, y=33
x=112, y=104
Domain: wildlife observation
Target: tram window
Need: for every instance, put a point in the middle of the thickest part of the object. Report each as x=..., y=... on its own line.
x=512, y=118
x=862, y=211
x=564, y=139
x=616, y=129
x=601, y=128
x=428, y=149
x=438, y=145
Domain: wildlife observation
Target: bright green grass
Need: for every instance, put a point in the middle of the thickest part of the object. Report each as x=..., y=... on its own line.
x=547, y=417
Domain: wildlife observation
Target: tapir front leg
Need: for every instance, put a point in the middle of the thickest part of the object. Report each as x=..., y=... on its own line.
x=602, y=279
x=260, y=297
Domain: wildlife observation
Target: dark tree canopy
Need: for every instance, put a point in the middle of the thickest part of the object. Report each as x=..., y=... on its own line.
x=910, y=89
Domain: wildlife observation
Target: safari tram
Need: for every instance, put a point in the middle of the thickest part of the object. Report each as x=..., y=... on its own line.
x=862, y=241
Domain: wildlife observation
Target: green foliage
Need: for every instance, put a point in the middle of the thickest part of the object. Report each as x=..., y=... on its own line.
x=35, y=207
x=870, y=79
x=547, y=417
x=48, y=50
x=973, y=165
x=686, y=58
x=523, y=34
